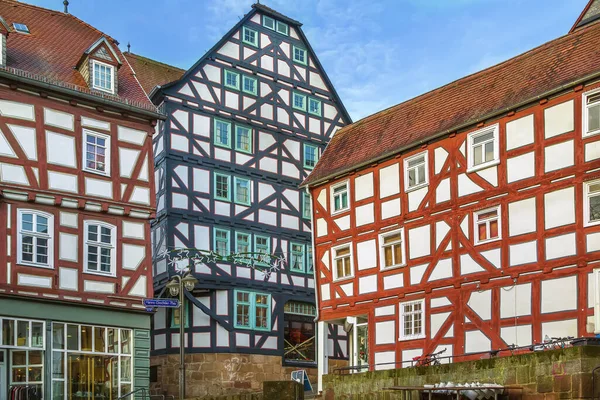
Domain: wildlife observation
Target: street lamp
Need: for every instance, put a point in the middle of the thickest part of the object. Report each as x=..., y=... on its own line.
x=177, y=286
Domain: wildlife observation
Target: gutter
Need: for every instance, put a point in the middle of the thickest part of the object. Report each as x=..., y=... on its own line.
x=86, y=96
x=456, y=128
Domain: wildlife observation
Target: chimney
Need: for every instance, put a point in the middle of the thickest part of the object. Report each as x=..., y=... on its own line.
x=66, y=3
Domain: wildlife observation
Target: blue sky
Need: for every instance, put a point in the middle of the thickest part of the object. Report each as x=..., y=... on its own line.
x=376, y=52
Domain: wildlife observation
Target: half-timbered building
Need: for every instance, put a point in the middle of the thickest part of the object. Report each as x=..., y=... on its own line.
x=467, y=218
x=76, y=197
x=245, y=125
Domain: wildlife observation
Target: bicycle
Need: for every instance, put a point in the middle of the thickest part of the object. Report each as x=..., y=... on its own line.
x=428, y=359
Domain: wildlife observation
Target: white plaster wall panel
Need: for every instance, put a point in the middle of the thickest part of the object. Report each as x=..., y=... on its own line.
x=442, y=270
x=60, y=149
x=393, y=281
x=348, y=289
x=519, y=132
x=464, y=226
x=26, y=138
x=267, y=217
x=329, y=111
x=363, y=187
x=521, y=217
x=325, y=292
x=322, y=198
x=186, y=90
x=264, y=191
x=520, y=167
x=476, y=341
x=567, y=300
x=58, y=118
x=133, y=230
x=179, y=201
x=201, y=339
x=222, y=154
x=230, y=49
x=560, y=246
x=390, y=209
x=221, y=208
x=314, y=125
x=201, y=125
x=175, y=340
x=290, y=169
x=139, y=287
x=34, y=280
x=13, y=173
x=559, y=207
x=343, y=223
x=268, y=164
x=321, y=227
x=367, y=284
x=559, y=119
x=468, y=265
x=95, y=123
x=489, y=174
x=519, y=335
x=592, y=242
x=199, y=318
x=559, y=156
x=204, y=92
x=265, y=140
x=67, y=249
x=182, y=118
x=179, y=143
x=436, y=322
x=182, y=173
x=466, y=186
x=283, y=68
x=62, y=182
x=494, y=256
x=481, y=303
x=316, y=81
x=222, y=336
x=293, y=197
x=68, y=219
x=440, y=155
x=385, y=332
x=560, y=328
x=140, y=195
x=389, y=180
x=364, y=214
x=416, y=273
x=222, y=302
x=440, y=302
x=5, y=148
x=144, y=171
x=160, y=341
x=201, y=237
x=386, y=310
x=290, y=222
x=387, y=358
x=415, y=197
x=213, y=73
x=522, y=253
x=366, y=254
x=248, y=52
x=441, y=230
x=98, y=287
x=129, y=135
x=17, y=110
x=409, y=355
x=442, y=192
x=266, y=62
x=293, y=147
x=127, y=160
x=419, y=240
x=231, y=99
x=133, y=256
x=265, y=89
x=68, y=278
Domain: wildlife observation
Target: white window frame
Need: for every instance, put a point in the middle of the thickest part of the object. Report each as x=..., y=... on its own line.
x=113, y=256
x=498, y=209
x=333, y=187
x=495, y=129
x=406, y=170
x=49, y=237
x=107, y=155
x=334, y=258
x=586, y=203
x=112, y=77
x=585, y=108
x=382, y=252
x=596, y=277
x=404, y=337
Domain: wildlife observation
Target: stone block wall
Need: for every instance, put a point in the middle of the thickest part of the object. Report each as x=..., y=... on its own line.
x=211, y=375
x=545, y=375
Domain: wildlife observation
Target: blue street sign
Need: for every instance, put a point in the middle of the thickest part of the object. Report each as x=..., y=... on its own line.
x=169, y=303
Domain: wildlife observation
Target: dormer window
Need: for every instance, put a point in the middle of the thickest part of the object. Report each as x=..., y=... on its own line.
x=21, y=28
x=103, y=78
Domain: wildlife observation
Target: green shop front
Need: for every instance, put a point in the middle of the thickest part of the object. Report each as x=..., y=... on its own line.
x=57, y=351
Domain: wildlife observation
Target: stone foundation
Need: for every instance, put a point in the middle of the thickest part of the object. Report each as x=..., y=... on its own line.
x=220, y=374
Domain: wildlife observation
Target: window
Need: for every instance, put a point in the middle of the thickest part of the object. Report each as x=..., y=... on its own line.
x=36, y=238
x=99, y=250
x=391, y=249
x=299, y=332
x=268, y=22
x=222, y=187
x=221, y=242
x=252, y=310
x=306, y=211
x=309, y=260
x=339, y=195
x=21, y=28
x=222, y=133
x=487, y=225
x=592, y=203
x=314, y=106
x=416, y=171
x=176, y=316
x=97, y=152
x=412, y=321
x=242, y=191
x=311, y=156
x=232, y=80
x=483, y=148
x=342, y=262
x=297, y=257
x=250, y=36
x=591, y=120
x=300, y=55
x=242, y=243
x=243, y=139
x=299, y=101
x=22, y=333
x=103, y=76
x=249, y=85
x=282, y=28
x=262, y=245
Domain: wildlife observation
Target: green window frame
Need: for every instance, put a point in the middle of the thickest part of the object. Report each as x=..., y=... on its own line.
x=299, y=101
x=297, y=257
x=311, y=155
x=309, y=260
x=242, y=191
x=252, y=310
x=222, y=188
x=249, y=85
x=232, y=80
x=222, y=133
x=282, y=28
x=262, y=245
x=221, y=239
x=243, y=243
x=268, y=22
x=306, y=211
x=243, y=139
x=250, y=36
x=314, y=106
x=299, y=55
x=185, y=313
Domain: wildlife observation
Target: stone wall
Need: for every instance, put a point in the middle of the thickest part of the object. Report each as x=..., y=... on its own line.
x=220, y=374
x=545, y=375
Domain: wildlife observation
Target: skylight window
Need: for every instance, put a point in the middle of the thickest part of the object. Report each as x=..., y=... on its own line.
x=22, y=28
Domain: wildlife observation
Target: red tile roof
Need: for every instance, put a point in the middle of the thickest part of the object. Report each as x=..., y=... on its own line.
x=465, y=101
x=152, y=73
x=54, y=46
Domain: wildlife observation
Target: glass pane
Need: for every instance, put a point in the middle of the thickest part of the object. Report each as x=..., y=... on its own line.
x=340, y=268
x=99, y=341
x=388, y=256
x=125, y=388
x=37, y=334
x=482, y=232
x=243, y=315
x=8, y=332
x=416, y=161
x=125, y=341
x=72, y=337
x=594, y=118
x=126, y=369
x=489, y=151
x=594, y=208
x=486, y=215
x=23, y=333
x=19, y=358
x=58, y=390
x=58, y=365
x=392, y=238
x=58, y=336
x=35, y=357
x=483, y=138
x=398, y=253
x=412, y=177
x=493, y=229
x=261, y=317
x=86, y=338
x=343, y=251
x=19, y=374
x=113, y=340
x=477, y=156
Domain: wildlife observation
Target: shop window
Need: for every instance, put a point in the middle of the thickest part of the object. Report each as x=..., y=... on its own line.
x=299, y=332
